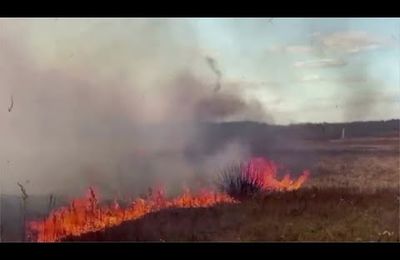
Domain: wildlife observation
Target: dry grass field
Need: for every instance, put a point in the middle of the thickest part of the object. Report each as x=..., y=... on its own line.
x=351, y=196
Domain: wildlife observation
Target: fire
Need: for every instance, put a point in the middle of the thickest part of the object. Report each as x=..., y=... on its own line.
x=263, y=173
x=86, y=214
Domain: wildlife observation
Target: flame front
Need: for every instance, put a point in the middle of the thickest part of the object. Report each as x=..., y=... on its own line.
x=85, y=214
x=263, y=174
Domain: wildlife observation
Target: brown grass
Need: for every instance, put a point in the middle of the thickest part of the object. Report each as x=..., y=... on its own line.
x=349, y=197
x=333, y=214
x=363, y=172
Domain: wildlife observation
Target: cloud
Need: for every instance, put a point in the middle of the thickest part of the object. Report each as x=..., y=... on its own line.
x=335, y=80
x=311, y=77
x=293, y=49
x=343, y=41
x=321, y=63
x=350, y=41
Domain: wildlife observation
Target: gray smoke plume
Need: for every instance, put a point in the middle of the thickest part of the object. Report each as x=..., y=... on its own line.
x=117, y=113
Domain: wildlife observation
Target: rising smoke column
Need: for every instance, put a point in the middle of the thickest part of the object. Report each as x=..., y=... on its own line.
x=102, y=106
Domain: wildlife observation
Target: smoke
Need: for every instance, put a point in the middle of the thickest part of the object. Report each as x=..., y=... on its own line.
x=213, y=65
x=362, y=104
x=115, y=110
x=231, y=107
x=363, y=95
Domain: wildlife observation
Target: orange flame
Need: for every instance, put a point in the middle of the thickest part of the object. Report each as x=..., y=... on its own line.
x=85, y=214
x=263, y=173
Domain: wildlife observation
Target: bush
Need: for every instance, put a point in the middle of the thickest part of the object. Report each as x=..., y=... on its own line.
x=257, y=177
x=236, y=184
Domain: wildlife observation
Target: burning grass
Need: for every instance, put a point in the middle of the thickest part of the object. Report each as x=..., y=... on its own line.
x=349, y=198
x=88, y=215
x=257, y=177
x=307, y=214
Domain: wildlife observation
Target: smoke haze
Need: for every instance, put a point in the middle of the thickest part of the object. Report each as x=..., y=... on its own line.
x=76, y=122
x=117, y=103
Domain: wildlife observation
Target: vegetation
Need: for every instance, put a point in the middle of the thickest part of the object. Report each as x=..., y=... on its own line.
x=334, y=214
x=233, y=182
x=348, y=198
x=353, y=193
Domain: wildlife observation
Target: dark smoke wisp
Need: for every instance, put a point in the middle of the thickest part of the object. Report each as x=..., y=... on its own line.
x=214, y=67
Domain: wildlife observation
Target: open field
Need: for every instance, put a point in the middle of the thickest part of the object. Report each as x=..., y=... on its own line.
x=332, y=214
x=352, y=196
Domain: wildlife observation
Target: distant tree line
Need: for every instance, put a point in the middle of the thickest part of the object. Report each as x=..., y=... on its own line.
x=214, y=135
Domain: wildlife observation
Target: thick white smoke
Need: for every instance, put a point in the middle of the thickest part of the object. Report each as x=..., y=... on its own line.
x=106, y=103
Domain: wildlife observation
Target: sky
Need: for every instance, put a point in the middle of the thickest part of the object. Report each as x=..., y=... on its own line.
x=300, y=69
x=90, y=95
x=304, y=68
